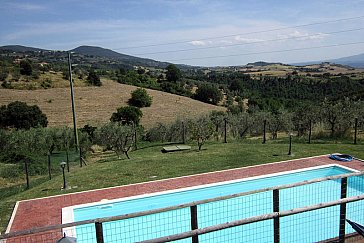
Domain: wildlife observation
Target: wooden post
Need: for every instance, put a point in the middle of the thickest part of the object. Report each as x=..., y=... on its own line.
x=264, y=126
x=183, y=133
x=26, y=173
x=194, y=222
x=290, y=145
x=276, y=220
x=310, y=133
x=225, y=130
x=99, y=233
x=344, y=183
x=135, y=136
x=67, y=161
x=80, y=156
x=355, y=129
x=73, y=102
x=49, y=166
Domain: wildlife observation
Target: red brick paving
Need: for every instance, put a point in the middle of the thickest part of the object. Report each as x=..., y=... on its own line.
x=48, y=211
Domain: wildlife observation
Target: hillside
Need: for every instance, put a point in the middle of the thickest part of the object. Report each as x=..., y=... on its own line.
x=356, y=61
x=94, y=105
x=18, y=48
x=353, y=61
x=107, y=53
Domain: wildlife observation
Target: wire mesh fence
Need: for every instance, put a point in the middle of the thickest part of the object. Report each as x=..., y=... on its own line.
x=310, y=211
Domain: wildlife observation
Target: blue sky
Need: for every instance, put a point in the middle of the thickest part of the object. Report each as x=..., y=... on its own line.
x=189, y=24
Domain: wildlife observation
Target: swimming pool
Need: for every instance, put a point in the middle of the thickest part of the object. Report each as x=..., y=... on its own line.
x=172, y=222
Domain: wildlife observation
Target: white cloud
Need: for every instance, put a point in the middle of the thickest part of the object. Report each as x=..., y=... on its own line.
x=303, y=36
x=198, y=43
x=26, y=6
x=241, y=39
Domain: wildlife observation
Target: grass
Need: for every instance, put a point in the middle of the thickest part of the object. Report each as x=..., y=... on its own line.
x=95, y=105
x=148, y=163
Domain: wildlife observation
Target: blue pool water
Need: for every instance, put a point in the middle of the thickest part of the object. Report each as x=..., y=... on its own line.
x=306, y=227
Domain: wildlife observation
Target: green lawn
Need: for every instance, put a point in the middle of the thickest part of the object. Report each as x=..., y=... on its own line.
x=148, y=163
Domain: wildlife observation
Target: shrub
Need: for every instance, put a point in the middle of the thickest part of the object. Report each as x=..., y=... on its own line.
x=127, y=115
x=21, y=116
x=140, y=98
x=93, y=79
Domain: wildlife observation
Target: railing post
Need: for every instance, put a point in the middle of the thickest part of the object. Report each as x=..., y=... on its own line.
x=99, y=233
x=264, y=126
x=344, y=185
x=355, y=129
x=225, y=130
x=49, y=165
x=194, y=223
x=276, y=220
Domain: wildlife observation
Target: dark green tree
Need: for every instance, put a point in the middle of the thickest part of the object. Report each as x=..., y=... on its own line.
x=21, y=116
x=209, y=94
x=127, y=115
x=93, y=79
x=140, y=98
x=3, y=74
x=25, y=67
x=173, y=74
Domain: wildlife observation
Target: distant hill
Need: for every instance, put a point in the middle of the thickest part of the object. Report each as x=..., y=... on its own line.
x=18, y=48
x=353, y=61
x=263, y=64
x=107, y=53
x=356, y=61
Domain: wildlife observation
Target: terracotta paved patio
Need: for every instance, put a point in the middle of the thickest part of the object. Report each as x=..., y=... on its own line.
x=48, y=211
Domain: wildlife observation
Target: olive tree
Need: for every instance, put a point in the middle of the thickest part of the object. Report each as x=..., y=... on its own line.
x=117, y=137
x=201, y=130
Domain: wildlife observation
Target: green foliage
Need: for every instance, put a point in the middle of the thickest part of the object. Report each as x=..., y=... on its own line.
x=157, y=133
x=201, y=130
x=90, y=131
x=140, y=98
x=173, y=73
x=3, y=74
x=117, y=137
x=339, y=116
x=209, y=94
x=21, y=116
x=93, y=78
x=127, y=115
x=7, y=85
x=47, y=83
x=25, y=67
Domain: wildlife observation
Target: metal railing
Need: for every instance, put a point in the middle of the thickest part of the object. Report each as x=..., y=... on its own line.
x=243, y=213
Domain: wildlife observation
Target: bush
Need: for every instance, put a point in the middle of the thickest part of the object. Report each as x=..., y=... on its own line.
x=140, y=98
x=93, y=79
x=21, y=116
x=25, y=68
x=208, y=94
x=47, y=83
x=3, y=75
x=127, y=115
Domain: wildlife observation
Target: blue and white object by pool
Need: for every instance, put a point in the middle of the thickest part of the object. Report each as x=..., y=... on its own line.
x=341, y=157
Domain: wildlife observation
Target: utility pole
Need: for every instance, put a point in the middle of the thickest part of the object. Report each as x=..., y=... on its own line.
x=73, y=102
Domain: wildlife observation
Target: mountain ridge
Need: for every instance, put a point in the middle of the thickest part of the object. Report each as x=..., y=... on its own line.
x=353, y=61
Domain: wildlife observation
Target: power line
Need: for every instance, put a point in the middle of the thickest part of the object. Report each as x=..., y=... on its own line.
x=266, y=52
x=247, y=33
x=247, y=43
